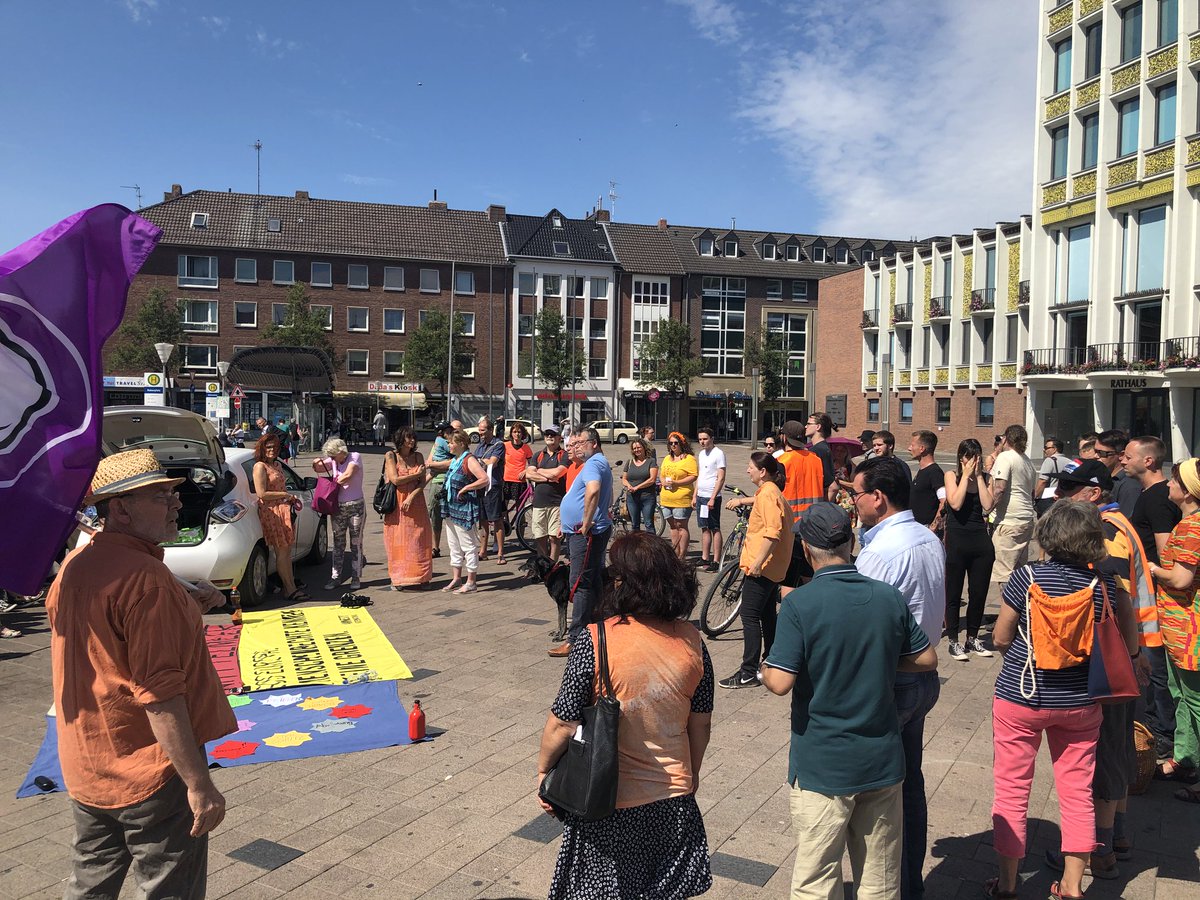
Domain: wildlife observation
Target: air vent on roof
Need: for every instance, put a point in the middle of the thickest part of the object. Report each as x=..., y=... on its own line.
x=272, y=224
x=199, y=220
x=561, y=248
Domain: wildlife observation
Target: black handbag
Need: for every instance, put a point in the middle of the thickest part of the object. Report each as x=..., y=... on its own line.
x=385, y=495
x=584, y=780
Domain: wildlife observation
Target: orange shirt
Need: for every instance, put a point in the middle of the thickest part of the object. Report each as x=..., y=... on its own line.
x=655, y=667
x=515, y=460
x=573, y=469
x=770, y=519
x=125, y=634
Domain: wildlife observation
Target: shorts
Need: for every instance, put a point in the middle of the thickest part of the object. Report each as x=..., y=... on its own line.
x=544, y=522
x=1012, y=549
x=711, y=522
x=491, y=505
x=513, y=491
x=679, y=513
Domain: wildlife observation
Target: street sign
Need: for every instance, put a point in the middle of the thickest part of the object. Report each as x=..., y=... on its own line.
x=216, y=407
x=212, y=388
x=237, y=393
x=835, y=408
x=237, y=402
x=653, y=396
x=154, y=392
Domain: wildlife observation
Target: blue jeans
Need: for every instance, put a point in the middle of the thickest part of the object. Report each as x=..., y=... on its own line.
x=641, y=509
x=1157, y=703
x=586, y=553
x=916, y=695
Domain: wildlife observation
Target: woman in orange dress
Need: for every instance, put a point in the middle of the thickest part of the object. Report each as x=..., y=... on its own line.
x=275, y=512
x=407, y=531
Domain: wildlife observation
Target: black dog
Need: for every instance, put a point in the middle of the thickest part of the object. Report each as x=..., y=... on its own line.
x=556, y=576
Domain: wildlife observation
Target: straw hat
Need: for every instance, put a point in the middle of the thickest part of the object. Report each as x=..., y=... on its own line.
x=127, y=471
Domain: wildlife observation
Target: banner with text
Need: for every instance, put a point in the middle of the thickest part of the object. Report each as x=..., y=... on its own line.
x=317, y=645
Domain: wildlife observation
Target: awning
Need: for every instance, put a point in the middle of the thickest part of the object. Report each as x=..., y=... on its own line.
x=296, y=370
x=400, y=399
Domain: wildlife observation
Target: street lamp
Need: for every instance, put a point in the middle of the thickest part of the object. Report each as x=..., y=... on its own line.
x=164, y=351
x=191, y=392
x=223, y=373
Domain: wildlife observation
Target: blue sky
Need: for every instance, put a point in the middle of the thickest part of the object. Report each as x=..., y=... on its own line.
x=889, y=118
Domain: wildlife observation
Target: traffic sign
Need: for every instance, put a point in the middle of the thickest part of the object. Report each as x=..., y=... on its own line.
x=237, y=402
x=237, y=393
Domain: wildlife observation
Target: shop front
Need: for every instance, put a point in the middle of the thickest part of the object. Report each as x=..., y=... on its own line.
x=1142, y=410
x=657, y=408
x=728, y=413
x=402, y=405
x=124, y=390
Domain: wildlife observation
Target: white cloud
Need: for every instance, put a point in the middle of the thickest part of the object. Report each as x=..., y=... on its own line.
x=139, y=9
x=273, y=46
x=909, y=117
x=216, y=24
x=366, y=180
x=524, y=57
x=715, y=19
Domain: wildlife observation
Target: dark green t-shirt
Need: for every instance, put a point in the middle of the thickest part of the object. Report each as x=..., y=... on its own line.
x=842, y=636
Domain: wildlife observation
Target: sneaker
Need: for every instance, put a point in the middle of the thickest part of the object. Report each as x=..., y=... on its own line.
x=356, y=585
x=333, y=584
x=738, y=680
x=975, y=645
x=713, y=567
x=958, y=651
x=7, y=606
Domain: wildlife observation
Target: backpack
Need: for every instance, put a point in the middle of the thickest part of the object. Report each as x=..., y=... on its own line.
x=1058, y=630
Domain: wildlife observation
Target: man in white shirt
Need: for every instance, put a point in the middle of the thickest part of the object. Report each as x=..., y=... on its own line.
x=1013, y=480
x=900, y=551
x=379, y=426
x=707, y=498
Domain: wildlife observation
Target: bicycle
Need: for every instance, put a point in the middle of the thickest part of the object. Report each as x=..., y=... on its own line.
x=516, y=518
x=732, y=548
x=619, y=513
x=723, y=600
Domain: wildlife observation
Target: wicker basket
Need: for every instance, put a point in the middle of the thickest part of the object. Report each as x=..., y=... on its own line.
x=1147, y=758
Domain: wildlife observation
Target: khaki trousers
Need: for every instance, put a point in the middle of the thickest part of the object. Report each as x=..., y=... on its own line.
x=868, y=825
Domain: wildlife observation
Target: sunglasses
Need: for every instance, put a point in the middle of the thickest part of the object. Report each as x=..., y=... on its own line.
x=672, y=443
x=1105, y=454
x=768, y=443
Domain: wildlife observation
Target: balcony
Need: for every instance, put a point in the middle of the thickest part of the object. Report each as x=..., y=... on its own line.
x=939, y=308
x=1135, y=356
x=902, y=314
x=1054, y=361
x=1180, y=353
x=870, y=320
x=1023, y=293
x=983, y=302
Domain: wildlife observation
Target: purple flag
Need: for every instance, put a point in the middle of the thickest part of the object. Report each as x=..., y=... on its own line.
x=62, y=294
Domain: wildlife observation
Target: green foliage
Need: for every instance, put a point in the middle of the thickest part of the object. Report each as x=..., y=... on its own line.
x=765, y=350
x=667, y=359
x=156, y=321
x=426, y=356
x=302, y=327
x=559, y=357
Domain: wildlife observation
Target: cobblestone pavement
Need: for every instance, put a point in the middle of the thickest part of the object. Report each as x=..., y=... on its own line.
x=456, y=817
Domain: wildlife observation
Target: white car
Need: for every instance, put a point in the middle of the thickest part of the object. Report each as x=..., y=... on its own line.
x=614, y=432
x=220, y=538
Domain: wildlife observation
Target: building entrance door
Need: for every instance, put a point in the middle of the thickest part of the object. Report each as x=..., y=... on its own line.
x=1143, y=412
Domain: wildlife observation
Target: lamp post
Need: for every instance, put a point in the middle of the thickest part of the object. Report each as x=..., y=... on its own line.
x=223, y=373
x=191, y=392
x=164, y=351
x=754, y=409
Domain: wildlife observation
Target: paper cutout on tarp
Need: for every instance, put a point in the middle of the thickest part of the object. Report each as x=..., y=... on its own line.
x=315, y=646
x=245, y=724
x=376, y=719
x=233, y=749
x=281, y=699
x=319, y=703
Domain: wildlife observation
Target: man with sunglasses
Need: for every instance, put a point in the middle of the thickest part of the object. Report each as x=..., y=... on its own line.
x=1109, y=448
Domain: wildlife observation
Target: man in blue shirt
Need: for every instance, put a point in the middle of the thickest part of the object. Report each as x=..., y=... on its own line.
x=586, y=527
x=900, y=551
x=840, y=640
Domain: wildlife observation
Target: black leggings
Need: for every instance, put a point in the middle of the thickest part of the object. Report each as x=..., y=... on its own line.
x=759, y=599
x=969, y=557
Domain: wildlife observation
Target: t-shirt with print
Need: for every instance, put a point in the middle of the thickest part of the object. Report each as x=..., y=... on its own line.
x=486, y=450
x=1179, y=611
x=923, y=501
x=1154, y=513
x=709, y=463
x=1020, y=478
x=594, y=468
x=549, y=493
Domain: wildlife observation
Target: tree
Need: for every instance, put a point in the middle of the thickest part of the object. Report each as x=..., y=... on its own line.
x=765, y=351
x=426, y=357
x=156, y=321
x=301, y=326
x=667, y=360
x=559, y=355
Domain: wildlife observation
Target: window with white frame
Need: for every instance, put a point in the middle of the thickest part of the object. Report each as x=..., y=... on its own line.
x=198, y=357
x=431, y=281
x=326, y=314
x=817, y=253
x=199, y=220
x=422, y=314
x=793, y=252
x=561, y=248
x=551, y=285
x=599, y=288
x=524, y=325
x=868, y=256
x=198, y=315
x=465, y=366
x=393, y=362
x=285, y=272
x=358, y=318
x=723, y=325
x=597, y=367
x=841, y=255
x=393, y=278
x=358, y=362
x=279, y=313
x=598, y=329
x=651, y=304
x=774, y=288
x=526, y=284
x=245, y=270
x=653, y=293
x=468, y=323
x=941, y=414
x=574, y=325
x=575, y=285
x=245, y=314
x=393, y=321
x=321, y=274
x=706, y=247
x=197, y=271
x=731, y=248
x=768, y=250
x=357, y=277
x=464, y=282
x=792, y=330
x=800, y=290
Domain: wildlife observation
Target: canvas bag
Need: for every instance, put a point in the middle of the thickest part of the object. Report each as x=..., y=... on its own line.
x=1111, y=678
x=325, y=494
x=1059, y=631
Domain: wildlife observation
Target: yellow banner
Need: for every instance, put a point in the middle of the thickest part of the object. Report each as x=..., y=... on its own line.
x=317, y=645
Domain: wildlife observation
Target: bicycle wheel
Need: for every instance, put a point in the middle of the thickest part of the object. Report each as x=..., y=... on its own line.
x=732, y=550
x=723, y=600
x=660, y=521
x=524, y=538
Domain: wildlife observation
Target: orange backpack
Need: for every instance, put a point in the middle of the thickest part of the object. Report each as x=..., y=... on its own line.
x=1058, y=630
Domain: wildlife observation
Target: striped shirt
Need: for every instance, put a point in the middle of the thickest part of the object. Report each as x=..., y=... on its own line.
x=1056, y=688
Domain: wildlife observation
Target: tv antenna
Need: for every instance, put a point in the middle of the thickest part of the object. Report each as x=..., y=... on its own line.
x=613, y=197
x=137, y=190
x=257, y=146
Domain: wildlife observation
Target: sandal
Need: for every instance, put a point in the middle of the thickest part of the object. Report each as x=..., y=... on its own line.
x=9, y=633
x=451, y=586
x=1176, y=772
x=297, y=596
x=1185, y=795
x=1057, y=894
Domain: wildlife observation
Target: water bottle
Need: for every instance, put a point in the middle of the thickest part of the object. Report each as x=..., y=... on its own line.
x=416, y=722
x=236, y=600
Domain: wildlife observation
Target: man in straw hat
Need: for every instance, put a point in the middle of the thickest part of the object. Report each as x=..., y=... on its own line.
x=136, y=694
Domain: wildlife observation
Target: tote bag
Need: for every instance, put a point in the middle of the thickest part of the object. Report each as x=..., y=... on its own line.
x=325, y=496
x=584, y=780
x=1110, y=673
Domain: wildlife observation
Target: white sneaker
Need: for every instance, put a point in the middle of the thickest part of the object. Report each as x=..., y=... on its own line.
x=976, y=646
x=958, y=651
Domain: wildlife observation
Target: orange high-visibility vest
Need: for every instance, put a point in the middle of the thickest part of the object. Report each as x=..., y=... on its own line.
x=1141, y=585
x=805, y=483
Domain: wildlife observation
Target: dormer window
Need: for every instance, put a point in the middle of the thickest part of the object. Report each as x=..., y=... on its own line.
x=731, y=248
x=793, y=253
x=273, y=224
x=706, y=246
x=868, y=255
x=841, y=255
x=557, y=221
x=561, y=248
x=199, y=220
x=768, y=250
x=818, y=253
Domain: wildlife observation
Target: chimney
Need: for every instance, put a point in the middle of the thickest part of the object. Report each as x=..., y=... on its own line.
x=435, y=203
x=603, y=215
x=301, y=195
x=662, y=224
x=496, y=213
x=174, y=193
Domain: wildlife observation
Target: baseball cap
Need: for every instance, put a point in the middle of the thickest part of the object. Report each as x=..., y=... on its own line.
x=824, y=525
x=866, y=437
x=794, y=432
x=1088, y=472
x=550, y=429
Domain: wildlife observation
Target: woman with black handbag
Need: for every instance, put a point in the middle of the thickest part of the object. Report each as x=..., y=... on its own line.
x=646, y=838
x=407, y=531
